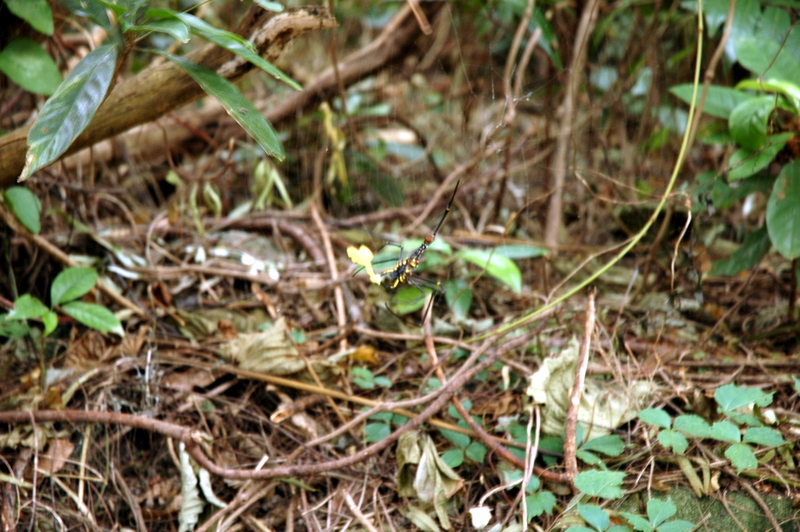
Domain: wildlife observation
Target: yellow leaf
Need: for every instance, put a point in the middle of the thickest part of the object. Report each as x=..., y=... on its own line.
x=363, y=257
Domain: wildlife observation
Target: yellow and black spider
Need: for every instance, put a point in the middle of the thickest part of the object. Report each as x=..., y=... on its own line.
x=403, y=270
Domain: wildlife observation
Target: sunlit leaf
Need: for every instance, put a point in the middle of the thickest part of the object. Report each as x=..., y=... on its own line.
x=37, y=13
x=501, y=268
x=67, y=113
x=94, y=316
x=30, y=66
x=26, y=207
x=71, y=284
x=237, y=106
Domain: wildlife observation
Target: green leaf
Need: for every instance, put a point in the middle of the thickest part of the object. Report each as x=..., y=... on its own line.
x=90, y=9
x=459, y=440
x=750, y=253
x=67, y=113
x=605, y=484
x=499, y=267
x=26, y=207
x=595, y=516
x=720, y=101
x=693, y=425
x=12, y=328
x=788, y=89
x=741, y=457
x=638, y=522
x=476, y=451
x=375, y=432
x=678, y=525
x=228, y=41
x=270, y=6
x=72, y=283
x=659, y=511
x=539, y=503
x=26, y=307
x=50, y=320
x=458, y=295
x=766, y=436
x=655, y=416
x=715, y=12
x=30, y=66
x=363, y=378
x=609, y=445
x=174, y=28
x=732, y=397
x=673, y=440
x=453, y=457
x=746, y=15
x=767, y=59
x=783, y=214
x=36, y=12
x=744, y=163
x=725, y=431
x=774, y=24
x=748, y=122
x=94, y=316
x=237, y=106
x=520, y=251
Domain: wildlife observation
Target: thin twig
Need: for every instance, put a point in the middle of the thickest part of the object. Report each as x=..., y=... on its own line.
x=571, y=429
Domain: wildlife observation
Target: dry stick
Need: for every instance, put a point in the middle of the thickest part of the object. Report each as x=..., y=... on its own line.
x=63, y=258
x=570, y=431
x=341, y=312
x=559, y=167
x=358, y=514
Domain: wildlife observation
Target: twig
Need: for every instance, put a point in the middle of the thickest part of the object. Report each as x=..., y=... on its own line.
x=570, y=443
x=357, y=513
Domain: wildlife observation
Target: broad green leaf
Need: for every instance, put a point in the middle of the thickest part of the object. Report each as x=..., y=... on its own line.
x=30, y=66
x=741, y=457
x=659, y=511
x=693, y=425
x=679, y=525
x=26, y=207
x=725, y=431
x=748, y=121
x=744, y=163
x=408, y=299
x=594, y=516
x=270, y=6
x=605, y=484
x=609, y=445
x=12, y=328
x=746, y=15
x=386, y=417
x=767, y=59
x=674, y=440
x=638, y=522
x=458, y=295
x=715, y=12
x=587, y=457
x=50, y=320
x=788, y=89
x=783, y=216
x=174, y=28
x=375, y=432
x=732, y=397
x=453, y=457
x=766, y=436
x=656, y=416
x=91, y=9
x=94, y=316
x=720, y=101
x=459, y=440
x=36, y=12
x=229, y=41
x=26, y=307
x=774, y=24
x=581, y=529
x=539, y=503
x=363, y=378
x=499, y=267
x=724, y=196
x=71, y=284
x=520, y=251
x=237, y=106
x=67, y=113
x=476, y=451
x=750, y=253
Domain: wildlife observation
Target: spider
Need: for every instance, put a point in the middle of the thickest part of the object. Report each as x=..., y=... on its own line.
x=403, y=271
